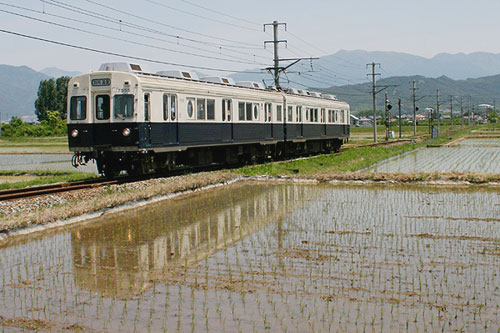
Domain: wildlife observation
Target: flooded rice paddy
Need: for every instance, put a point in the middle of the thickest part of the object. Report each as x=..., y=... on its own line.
x=471, y=155
x=42, y=162
x=255, y=257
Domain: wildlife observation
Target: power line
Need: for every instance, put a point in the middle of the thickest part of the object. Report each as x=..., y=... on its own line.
x=127, y=41
x=220, y=13
x=133, y=33
x=122, y=22
x=118, y=54
x=195, y=15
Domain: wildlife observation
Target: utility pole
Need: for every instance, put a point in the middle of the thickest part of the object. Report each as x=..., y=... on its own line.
x=276, y=42
x=414, y=108
x=0, y=123
x=374, y=93
x=451, y=113
x=399, y=108
x=386, y=118
x=470, y=107
x=462, y=110
x=437, y=108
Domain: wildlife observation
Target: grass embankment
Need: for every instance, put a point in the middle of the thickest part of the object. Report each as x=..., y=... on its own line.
x=350, y=160
x=20, y=179
x=32, y=141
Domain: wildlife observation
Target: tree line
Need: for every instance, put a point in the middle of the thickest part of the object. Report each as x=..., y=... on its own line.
x=50, y=109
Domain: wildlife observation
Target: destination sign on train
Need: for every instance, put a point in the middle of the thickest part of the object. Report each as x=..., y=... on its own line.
x=101, y=82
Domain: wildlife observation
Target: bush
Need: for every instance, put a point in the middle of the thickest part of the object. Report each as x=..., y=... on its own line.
x=54, y=126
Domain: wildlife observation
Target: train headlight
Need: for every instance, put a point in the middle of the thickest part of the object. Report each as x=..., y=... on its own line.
x=74, y=133
x=126, y=132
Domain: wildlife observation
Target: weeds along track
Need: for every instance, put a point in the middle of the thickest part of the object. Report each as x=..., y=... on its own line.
x=54, y=188
x=33, y=191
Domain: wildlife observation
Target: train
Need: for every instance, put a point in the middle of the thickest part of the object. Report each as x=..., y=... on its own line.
x=128, y=120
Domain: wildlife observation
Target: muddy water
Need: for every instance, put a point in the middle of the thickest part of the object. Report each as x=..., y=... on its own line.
x=44, y=162
x=472, y=155
x=280, y=257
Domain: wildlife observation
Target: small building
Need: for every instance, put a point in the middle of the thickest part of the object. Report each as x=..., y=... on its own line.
x=421, y=117
x=354, y=121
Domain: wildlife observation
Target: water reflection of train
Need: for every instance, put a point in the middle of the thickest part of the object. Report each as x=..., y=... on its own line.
x=125, y=252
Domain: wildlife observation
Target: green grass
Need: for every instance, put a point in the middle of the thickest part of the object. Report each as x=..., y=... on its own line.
x=45, y=177
x=347, y=161
x=32, y=141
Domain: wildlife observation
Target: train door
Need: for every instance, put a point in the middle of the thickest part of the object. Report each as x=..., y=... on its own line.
x=268, y=119
x=102, y=133
x=174, y=120
x=284, y=120
x=227, y=120
x=300, y=124
x=145, y=138
x=323, y=122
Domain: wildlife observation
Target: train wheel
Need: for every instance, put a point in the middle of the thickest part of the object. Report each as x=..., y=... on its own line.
x=111, y=173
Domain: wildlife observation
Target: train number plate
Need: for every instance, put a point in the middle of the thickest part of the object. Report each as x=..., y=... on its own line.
x=101, y=82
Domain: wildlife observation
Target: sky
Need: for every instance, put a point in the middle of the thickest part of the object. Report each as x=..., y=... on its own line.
x=222, y=36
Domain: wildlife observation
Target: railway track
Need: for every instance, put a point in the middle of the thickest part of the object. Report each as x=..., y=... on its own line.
x=86, y=184
x=54, y=188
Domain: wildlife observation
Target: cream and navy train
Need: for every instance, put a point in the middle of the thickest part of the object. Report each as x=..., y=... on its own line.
x=128, y=120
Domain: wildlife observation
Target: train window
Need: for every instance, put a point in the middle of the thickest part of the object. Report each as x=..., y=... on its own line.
x=190, y=108
x=210, y=109
x=329, y=116
x=241, y=111
x=268, y=109
x=299, y=114
x=311, y=116
x=173, y=107
x=256, y=112
x=146, y=107
x=290, y=113
x=278, y=112
x=123, y=106
x=322, y=115
x=307, y=114
x=248, y=109
x=200, y=109
x=78, y=108
x=223, y=110
x=165, y=107
x=226, y=109
x=102, y=107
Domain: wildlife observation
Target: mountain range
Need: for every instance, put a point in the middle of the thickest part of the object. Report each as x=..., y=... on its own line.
x=342, y=73
x=350, y=67
x=485, y=90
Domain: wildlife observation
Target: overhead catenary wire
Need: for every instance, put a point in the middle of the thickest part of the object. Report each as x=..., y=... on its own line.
x=128, y=41
x=142, y=35
x=118, y=54
x=149, y=20
x=221, y=13
x=196, y=15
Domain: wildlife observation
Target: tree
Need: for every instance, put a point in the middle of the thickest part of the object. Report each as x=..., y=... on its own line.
x=52, y=95
x=62, y=96
x=492, y=117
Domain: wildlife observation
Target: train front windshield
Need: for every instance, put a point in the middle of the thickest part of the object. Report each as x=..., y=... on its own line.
x=123, y=106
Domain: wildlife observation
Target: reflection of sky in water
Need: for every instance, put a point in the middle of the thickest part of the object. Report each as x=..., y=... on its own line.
x=285, y=256
x=50, y=162
x=445, y=159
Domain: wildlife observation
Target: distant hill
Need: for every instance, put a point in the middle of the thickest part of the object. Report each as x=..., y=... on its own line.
x=56, y=72
x=18, y=90
x=349, y=67
x=482, y=90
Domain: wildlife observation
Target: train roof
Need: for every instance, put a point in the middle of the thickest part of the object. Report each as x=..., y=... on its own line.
x=219, y=80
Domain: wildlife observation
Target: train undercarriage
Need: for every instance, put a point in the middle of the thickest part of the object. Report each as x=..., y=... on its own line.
x=139, y=163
